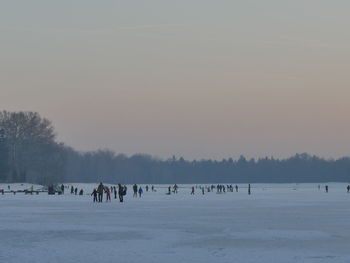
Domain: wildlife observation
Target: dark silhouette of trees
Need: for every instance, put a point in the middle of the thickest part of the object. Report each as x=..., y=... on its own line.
x=29, y=152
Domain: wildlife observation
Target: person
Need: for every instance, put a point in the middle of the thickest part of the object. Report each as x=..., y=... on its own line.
x=236, y=188
x=108, y=194
x=120, y=192
x=249, y=192
x=140, y=191
x=169, y=190
x=100, y=190
x=175, y=188
x=72, y=190
x=146, y=188
x=203, y=190
x=76, y=191
x=62, y=188
x=326, y=187
x=152, y=188
x=135, y=190
x=94, y=194
x=81, y=192
x=192, y=191
x=115, y=192
x=348, y=188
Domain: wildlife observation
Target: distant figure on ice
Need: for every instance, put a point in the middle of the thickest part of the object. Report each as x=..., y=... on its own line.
x=175, y=188
x=140, y=191
x=108, y=194
x=135, y=190
x=202, y=190
x=153, y=190
x=72, y=189
x=120, y=192
x=76, y=191
x=146, y=188
x=169, y=190
x=81, y=192
x=100, y=190
x=249, y=192
x=8, y=187
x=62, y=188
x=348, y=188
x=94, y=194
x=192, y=191
x=236, y=188
x=115, y=192
x=326, y=187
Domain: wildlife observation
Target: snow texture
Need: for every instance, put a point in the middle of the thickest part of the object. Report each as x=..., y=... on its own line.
x=277, y=223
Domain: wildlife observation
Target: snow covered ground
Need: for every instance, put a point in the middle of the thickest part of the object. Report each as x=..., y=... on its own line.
x=277, y=223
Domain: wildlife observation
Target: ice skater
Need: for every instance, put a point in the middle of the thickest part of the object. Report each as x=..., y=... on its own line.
x=192, y=191
x=326, y=188
x=140, y=191
x=100, y=190
x=115, y=192
x=348, y=188
x=135, y=190
x=249, y=191
x=120, y=193
x=94, y=194
x=108, y=194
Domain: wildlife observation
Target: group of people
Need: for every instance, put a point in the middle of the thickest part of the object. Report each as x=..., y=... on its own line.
x=119, y=191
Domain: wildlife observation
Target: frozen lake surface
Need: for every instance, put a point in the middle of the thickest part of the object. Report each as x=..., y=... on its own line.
x=277, y=223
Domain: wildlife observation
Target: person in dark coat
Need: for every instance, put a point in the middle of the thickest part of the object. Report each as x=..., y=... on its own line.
x=120, y=192
x=135, y=190
x=94, y=194
x=115, y=192
x=100, y=190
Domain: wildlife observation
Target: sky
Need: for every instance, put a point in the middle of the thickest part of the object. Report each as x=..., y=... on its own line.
x=191, y=78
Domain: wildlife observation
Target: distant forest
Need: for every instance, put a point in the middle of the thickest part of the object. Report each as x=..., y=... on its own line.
x=29, y=152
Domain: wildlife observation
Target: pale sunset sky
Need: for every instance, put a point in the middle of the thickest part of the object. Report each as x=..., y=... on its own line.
x=191, y=78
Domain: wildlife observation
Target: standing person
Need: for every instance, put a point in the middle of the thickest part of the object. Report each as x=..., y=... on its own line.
x=175, y=188
x=152, y=188
x=62, y=188
x=146, y=188
x=94, y=194
x=169, y=190
x=249, y=192
x=135, y=190
x=81, y=192
x=203, y=190
x=192, y=191
x=76, y=191
x=326, y=187
x=348, y=188
x=120, y=192
x=108, y=194
x=100, y=190
x=72, y=190
x=140, y=191
x=236, y=188
x=115, y=192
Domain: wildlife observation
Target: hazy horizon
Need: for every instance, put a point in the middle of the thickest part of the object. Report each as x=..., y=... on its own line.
x=198, y=79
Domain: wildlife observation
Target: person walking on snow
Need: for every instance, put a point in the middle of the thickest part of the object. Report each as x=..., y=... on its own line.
x=108, y=194
x=140, y=191
x=100, y=190
x=94, y=194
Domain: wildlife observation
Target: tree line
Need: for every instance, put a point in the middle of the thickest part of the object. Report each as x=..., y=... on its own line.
x=30, y=152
